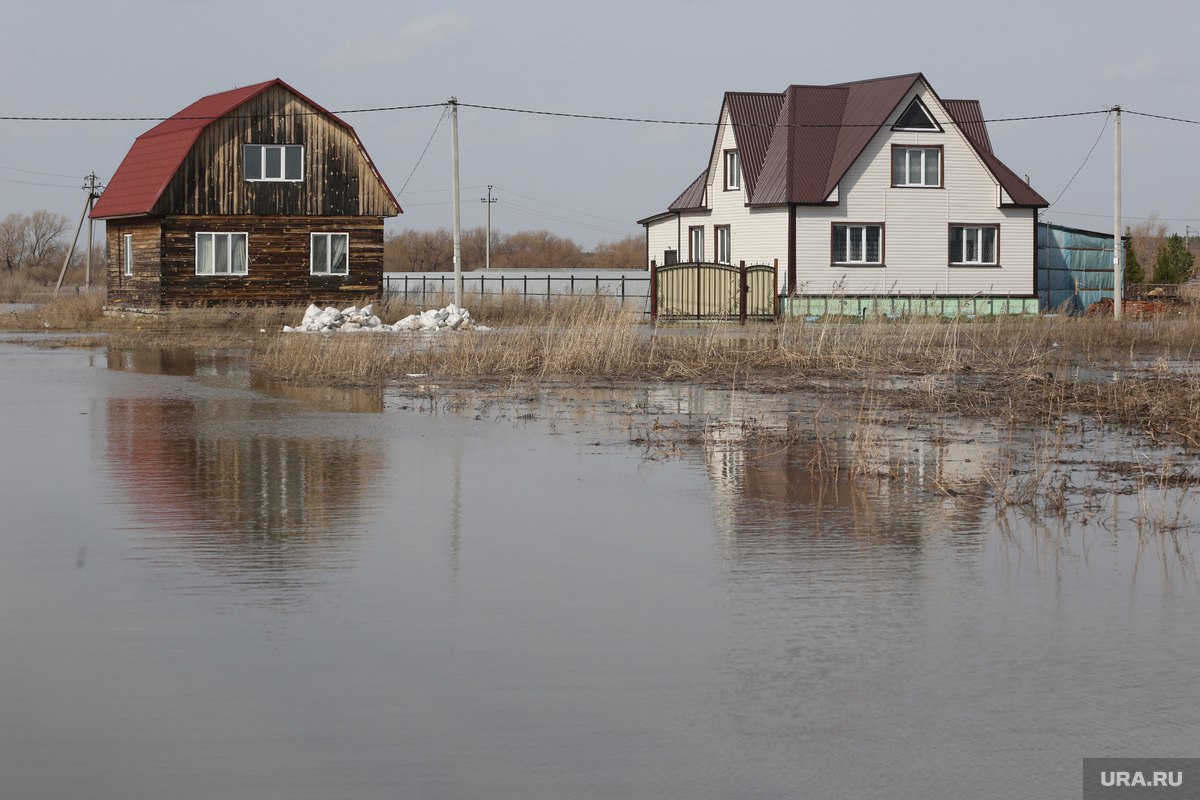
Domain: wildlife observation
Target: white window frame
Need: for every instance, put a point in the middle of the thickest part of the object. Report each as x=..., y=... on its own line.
x=733, y=171
x=854, y=238
x=210, y=269
x=696, y=244
x=917, y=156
x=263, y=149
x=724, y=241
x=326, y=269
x=127, y=256
x=973, y=238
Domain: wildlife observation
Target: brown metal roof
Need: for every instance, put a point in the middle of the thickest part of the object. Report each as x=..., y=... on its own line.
x=968, y=114
x=797, y=145
x=753, y=116
x=693, y=196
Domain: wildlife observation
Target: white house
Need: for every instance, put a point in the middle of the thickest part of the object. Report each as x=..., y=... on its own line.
x=864, y=189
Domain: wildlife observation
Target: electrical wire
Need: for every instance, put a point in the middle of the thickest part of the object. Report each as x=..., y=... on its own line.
x=1085, y=160
x=506, y=190
x=423, y=152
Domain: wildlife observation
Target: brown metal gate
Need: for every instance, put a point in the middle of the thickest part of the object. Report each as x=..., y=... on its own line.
x=713, y=291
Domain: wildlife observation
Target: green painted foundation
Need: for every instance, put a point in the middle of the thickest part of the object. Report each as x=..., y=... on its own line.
x=895, y=306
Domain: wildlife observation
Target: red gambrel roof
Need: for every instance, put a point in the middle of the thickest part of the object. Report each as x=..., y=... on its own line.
x=796, y=146
x=150, y=164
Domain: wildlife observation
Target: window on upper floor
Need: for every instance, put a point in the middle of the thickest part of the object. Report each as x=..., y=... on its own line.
x=723, y=244
x=916, y=118
x=696, y=244
x=733, y=170
x=974, y=245
x=916, y=166
x=273, y=162
x=221, y=253
x=330, y=254
x=127, y=256
x=857, y=243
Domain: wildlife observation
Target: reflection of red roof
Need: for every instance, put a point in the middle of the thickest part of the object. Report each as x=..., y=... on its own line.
x=155, y=156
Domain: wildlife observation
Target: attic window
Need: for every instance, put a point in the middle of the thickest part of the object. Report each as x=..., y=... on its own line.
x=733, y=170
x=916, y=118
x=273, y=162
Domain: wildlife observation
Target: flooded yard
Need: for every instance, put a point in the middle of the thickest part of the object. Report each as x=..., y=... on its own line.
x=218, y=585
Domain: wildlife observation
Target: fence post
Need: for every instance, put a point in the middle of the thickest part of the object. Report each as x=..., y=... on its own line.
x=743, y=290
x=653, y=291
x=775, y=309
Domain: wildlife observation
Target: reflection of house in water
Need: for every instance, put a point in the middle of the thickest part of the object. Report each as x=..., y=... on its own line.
x=233, y=475
x=230, y=370
x=826, y=470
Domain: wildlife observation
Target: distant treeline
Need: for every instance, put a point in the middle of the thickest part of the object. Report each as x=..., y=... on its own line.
x=429, y=251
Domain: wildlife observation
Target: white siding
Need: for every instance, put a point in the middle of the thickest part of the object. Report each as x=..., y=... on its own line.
x=757, y=236
x=916, y=222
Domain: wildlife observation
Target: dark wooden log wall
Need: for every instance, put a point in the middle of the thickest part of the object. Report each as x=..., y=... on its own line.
x=278, y=269
x=338, y=176
x=142, y=289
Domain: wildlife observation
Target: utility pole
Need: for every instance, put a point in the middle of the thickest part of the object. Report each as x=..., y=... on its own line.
x=1118, y=272
x=93, y=189
x=487, y=248
x=455, y=202
x=90, y=185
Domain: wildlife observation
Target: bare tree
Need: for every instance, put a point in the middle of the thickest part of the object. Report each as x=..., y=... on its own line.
x=626, y=253
x=1146, y=237
x=43, y=231
x=13, y=248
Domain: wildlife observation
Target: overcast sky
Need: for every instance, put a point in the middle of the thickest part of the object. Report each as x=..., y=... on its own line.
x=589, y=179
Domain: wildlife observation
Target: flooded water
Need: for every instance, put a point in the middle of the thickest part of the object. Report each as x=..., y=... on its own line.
x=216, y=586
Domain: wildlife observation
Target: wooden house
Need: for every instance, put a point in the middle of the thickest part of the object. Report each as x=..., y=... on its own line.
x=255, y=195
x=869, y=189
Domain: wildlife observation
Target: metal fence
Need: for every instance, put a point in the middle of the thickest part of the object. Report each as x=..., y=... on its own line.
x=541, y=286
x=702, y=290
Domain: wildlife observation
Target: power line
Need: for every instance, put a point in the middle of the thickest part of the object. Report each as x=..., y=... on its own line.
x=212, y=117
x=37, y=183
x=652, y=121
x=35, y=172
x=1085, y=160
x=1160, y=116
x=535, y=112
x=1124, y=216
x=561, y=208
x=423, y=152
x=566, y=220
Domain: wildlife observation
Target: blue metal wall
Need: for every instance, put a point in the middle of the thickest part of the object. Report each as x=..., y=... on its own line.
x=1074, y=268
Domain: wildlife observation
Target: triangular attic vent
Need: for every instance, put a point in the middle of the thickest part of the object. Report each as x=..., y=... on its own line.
x=916, y=118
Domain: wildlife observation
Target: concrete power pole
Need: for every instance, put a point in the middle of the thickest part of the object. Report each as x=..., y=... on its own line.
x=487, y=248
x=1118, y=272
x=458, y=286
x=93, y=189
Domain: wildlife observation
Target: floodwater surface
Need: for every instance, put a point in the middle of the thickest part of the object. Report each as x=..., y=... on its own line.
x=217, y=586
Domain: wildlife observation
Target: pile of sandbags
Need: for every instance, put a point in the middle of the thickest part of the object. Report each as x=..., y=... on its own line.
x=328, y=320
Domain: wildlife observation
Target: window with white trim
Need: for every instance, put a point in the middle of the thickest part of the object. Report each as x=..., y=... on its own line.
x=916, y=166
x=330, y=254
x=695, y=244
x=733, y=170
x=221, y=253
x=273, y=162
x=723, y=244
x=127, y=256
x=974, y=245
x=857, y=243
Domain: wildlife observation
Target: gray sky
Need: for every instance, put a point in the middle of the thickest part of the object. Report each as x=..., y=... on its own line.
x=588, y=179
